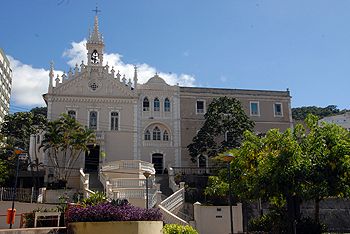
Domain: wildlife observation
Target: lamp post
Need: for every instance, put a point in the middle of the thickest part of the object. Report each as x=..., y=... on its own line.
x=228, y=158
x=17, y=153
x=147, y=174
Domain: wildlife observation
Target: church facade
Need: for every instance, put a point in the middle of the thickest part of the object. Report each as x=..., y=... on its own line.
x=152, y=122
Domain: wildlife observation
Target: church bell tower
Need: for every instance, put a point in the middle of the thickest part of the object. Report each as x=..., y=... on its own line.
x=95, y=45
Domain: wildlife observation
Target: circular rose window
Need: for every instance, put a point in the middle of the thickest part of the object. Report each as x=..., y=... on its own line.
x=93, y=85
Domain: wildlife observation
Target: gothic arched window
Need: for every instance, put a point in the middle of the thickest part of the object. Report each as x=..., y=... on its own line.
x=145, y=104
x=147, y=135
x=93, y=120
x=165, y=135
x=156, y=104
x=156, y=134
x=166, y=105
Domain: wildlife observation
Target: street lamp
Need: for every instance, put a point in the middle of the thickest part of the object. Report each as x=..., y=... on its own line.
x=228, y=158
x=147, y=174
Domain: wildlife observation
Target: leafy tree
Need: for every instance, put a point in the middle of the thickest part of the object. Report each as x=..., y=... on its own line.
x=327, y=147
x=300, y=113
x=20, y=126
x=284, y=168
x=17, y=129
x=65, y=140
x=225, y=115
x=39, y=111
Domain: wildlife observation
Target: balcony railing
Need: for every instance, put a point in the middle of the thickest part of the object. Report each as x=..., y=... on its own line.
x=131, y=183
x=136, y=194
x=128, y=164
x=100, y=135
x=195, y=170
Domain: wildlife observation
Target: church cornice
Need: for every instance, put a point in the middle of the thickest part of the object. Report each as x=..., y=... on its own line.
x=76, y=99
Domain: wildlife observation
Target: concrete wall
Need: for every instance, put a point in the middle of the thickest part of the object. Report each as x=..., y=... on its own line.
x=216, y=219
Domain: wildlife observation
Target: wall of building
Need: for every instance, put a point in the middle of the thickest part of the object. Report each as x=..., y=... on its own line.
x=191, y=121
x=5, y=85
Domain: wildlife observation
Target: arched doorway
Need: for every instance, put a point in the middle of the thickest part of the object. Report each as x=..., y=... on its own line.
x=157, y=160
x=92, y=158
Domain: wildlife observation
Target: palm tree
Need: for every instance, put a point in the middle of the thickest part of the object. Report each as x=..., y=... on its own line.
x=65, y=140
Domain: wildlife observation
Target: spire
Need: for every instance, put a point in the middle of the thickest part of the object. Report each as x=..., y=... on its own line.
x=95, y=36
x=51, y=76
x=135, y=77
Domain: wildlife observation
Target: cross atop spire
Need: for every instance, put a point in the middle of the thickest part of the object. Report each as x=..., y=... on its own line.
x=96, y=10
x=95, y=36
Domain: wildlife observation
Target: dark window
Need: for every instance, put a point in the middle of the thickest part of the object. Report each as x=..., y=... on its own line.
x=114, y=121
x=93, y=120
x=165, y=136
x=147, y=135
x=72, y=114
x=156, y=134
x=145, y=104
x=156, y=104
x=200, y=107
x=166, y=105
x=278, y=109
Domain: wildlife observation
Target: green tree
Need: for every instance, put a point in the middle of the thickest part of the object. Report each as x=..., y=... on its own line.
x=17, y=129
x=327, y=147
x=225, y=115
x=284, y=168
x=39, y=111
x=20, y=126
x=65, y=140
x=300, y=113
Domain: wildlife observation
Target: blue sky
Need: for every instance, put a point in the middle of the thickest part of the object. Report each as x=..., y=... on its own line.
x=247, y=44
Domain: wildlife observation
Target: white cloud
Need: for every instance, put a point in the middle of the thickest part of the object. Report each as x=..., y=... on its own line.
x=77, y=53
x=30, y=83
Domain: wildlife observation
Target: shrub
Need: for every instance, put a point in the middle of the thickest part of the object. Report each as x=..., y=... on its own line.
x=94, y=199
x=307, y=225
x=178, y=229
x=110, y=212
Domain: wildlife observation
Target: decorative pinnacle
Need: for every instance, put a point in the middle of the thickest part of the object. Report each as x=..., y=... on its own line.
x=51, y=75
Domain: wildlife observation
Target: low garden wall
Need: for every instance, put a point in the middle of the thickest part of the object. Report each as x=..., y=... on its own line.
x=122, y=227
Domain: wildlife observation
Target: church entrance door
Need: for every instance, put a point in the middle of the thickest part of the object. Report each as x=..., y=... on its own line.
x=157, y=160
x=92, y=158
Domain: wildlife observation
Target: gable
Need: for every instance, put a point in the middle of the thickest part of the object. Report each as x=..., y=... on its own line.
x=94, y=83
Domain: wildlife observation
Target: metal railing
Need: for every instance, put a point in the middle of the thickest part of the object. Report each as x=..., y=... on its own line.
x=128, y=164
x=170, y=204
x=22, y=194
x=195, y=170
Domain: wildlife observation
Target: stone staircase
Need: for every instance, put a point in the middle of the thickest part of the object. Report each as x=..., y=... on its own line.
x=94, y=182
x=163, y=180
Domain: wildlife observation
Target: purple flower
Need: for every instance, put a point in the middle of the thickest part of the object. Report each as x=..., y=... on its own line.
x=108, y=212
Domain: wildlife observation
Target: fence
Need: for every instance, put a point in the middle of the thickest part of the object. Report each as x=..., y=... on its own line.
x=22, y=194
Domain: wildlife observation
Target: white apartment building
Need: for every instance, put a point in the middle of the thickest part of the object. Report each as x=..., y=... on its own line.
x=5, y=85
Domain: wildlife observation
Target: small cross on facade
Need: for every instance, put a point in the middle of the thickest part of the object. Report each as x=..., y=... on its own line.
x=96, y=10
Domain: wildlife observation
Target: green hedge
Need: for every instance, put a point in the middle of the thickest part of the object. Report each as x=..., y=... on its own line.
x=178, y=229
